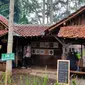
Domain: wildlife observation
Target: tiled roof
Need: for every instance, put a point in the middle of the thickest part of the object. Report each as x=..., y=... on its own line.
x=3, y=32
x=82, y=9
x=72, y=32
x=3, y=20
x=30, y=30
x=24, y=30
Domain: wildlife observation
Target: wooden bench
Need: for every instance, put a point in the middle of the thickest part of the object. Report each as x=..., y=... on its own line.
x=78, y=73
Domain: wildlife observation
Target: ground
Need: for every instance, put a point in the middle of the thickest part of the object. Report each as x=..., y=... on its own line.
x=36, y=75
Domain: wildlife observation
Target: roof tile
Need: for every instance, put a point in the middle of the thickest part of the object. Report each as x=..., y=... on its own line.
x=3, y=32
x=4, y=20
x=29, y=30
x=72, y=32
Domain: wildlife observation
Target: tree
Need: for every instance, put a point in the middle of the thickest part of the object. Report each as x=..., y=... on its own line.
x=40, y=11
x=4, y=9
x=43, y=12
x=29, y=8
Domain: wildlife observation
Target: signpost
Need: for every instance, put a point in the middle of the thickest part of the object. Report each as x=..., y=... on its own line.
x=7, y=56
x=63, y=72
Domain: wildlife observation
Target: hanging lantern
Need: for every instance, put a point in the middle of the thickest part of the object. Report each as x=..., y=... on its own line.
x=0, y=46
x=4, y=40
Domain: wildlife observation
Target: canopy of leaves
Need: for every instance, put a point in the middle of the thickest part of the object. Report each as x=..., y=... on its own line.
x=30, y=11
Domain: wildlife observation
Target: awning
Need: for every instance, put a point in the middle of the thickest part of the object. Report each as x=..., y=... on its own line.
x=72, y=32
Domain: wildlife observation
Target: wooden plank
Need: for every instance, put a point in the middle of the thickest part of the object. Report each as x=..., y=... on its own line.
x=77, y=72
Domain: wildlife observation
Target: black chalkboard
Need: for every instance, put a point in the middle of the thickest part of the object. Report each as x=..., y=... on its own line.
x=63, y=71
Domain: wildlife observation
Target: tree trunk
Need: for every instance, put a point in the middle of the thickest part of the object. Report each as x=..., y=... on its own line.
x=43, y=12
x=47, y=11
x=51, y=11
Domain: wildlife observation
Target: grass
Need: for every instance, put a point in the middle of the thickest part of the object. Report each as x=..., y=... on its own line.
x=26, y=79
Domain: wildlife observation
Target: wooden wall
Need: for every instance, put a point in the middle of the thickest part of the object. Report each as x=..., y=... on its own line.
x=78, y=20
x=46, y=51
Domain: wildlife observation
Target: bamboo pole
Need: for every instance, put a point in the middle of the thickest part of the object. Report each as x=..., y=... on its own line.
x=10, y=40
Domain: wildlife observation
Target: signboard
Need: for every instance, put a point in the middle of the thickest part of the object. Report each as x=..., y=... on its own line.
x=43, y=52
x=7, y=56
x=63, y=72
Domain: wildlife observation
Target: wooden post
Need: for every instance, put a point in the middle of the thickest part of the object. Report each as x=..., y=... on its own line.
x=63, y=53
x=10, y=40
x=63, y=47
x=16, y=59
x=81, y=60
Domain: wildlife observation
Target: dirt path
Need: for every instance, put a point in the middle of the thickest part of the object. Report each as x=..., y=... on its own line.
x=51, y=73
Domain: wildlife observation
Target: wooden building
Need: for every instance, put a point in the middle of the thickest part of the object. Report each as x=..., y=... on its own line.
x=48, y=43
x=70, y=30
x=45, y=49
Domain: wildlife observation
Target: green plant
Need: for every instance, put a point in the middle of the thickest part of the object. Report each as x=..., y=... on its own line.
x=45, y=80
x=10, y=80
x=21, y=82
x=74, y=82
x=2, y=78
x=56, y=83
x=35, y=81
x=27, y=81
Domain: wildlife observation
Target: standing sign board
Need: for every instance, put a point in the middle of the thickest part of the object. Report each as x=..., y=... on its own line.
x=63, y=72
x=7, y=56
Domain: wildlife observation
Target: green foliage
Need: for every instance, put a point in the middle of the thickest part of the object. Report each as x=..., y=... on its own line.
x=27, y=82
x=21, y=82
x=45, y=80
x=23, y=20
x=33, y=80
x=4, y=9
x=2, y=80
x=56, y=83
x=33, y=10
x=10, y=80
x=73, y=82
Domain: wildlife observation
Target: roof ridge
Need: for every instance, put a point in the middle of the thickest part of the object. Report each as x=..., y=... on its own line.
x=31, y=24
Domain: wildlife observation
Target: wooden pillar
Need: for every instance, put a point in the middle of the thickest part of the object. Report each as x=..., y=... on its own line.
x=81, y=60
x=63, y=52
x=81, y=52
x=63, y=47
x=16, y=58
